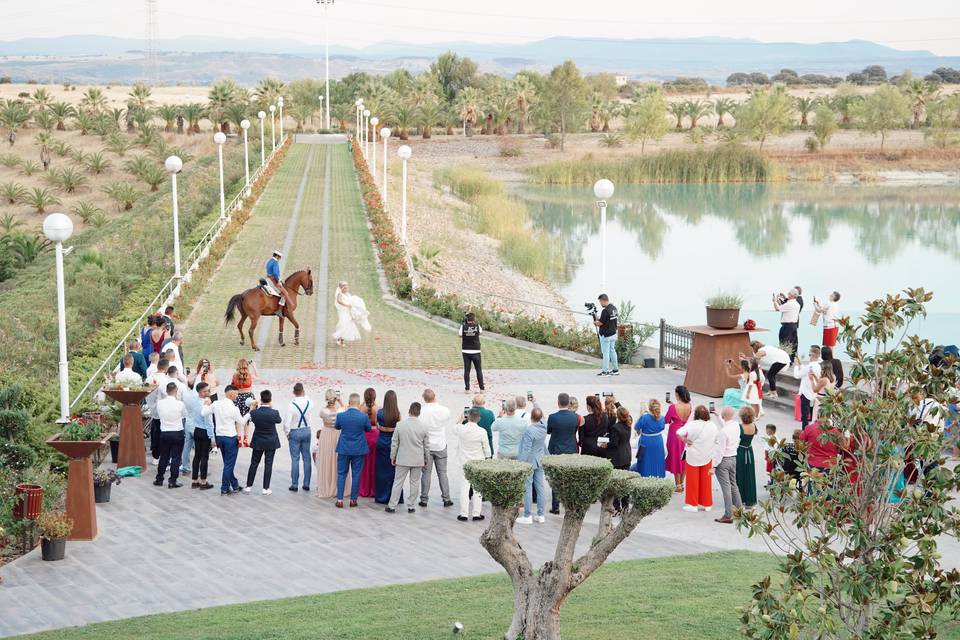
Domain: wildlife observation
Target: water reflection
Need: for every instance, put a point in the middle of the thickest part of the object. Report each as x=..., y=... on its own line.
x=886, y=222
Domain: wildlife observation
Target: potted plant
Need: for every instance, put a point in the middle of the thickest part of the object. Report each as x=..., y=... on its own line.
x=103, y=479
x=723, y=310
x=55, y=527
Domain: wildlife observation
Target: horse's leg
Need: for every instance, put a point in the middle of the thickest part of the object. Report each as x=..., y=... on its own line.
x=281, y=332
x=243, y=318
x=253, y=327
x=296, y=329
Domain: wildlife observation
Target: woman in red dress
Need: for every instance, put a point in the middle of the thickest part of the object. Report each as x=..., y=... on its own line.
x=368, y=477
x=677, y=415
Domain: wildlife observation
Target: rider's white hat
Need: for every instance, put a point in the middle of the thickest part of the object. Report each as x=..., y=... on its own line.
x=277, y=253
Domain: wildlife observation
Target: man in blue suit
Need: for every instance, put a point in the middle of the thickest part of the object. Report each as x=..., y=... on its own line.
x=562, y=427
x=532, y=449
x=351, y=448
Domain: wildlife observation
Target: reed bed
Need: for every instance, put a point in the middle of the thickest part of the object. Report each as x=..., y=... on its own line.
x=725, y=163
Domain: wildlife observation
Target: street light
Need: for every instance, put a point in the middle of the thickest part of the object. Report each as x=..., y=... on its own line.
x=326, y=60
x=174, y=165
x=603, y=189
x=366, y=134
x=263, y=158
x=358, y=107
x=273, y=132
x=321, y=112
x=374, y=121
x=220, y=138
x=280, y=102
x=404, y=152
x=385, y=134
x=58, y=228
x=245, y=124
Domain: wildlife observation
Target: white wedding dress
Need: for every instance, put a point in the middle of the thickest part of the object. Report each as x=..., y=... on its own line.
x=352, y=315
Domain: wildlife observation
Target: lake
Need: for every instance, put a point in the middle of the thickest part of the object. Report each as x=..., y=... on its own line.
x=669, y=247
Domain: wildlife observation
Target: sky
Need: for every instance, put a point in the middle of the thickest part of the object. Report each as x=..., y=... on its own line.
x=934, y=25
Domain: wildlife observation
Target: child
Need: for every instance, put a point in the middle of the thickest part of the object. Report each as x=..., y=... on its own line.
x=771, y=431
x=791, y=466
x=152, y=369
x=315, y=449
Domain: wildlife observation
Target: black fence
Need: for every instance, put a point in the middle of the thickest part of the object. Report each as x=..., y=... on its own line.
x=675, y=345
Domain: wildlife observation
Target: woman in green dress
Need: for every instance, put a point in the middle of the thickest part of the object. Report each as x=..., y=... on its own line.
x=746, y=473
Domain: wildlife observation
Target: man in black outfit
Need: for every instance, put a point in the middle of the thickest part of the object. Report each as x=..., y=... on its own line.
x=607, y=328
x=470, y=347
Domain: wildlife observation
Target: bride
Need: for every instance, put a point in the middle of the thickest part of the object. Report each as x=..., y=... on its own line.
x=352, y=315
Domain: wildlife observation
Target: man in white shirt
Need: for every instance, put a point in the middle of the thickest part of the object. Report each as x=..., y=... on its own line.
x=176, y=345
x=807, y=394
x=127, y=375
x=474, y=445
x=296, y=426
x=772, y=359
x=171, y=412
x=725, y=462
x=435, y=417
x=159, y=379
x=830, y=312
x=789, y=310
x=228, y=424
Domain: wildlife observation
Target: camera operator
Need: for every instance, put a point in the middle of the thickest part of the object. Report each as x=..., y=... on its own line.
x=470, y=332
x=607, y=328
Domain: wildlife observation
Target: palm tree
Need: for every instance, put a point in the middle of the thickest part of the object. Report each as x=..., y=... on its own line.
x=267, y=92
x=468, y=108
x=500, y=109
x=94, y=100
x=96, y=163
x=678, y=110
x=920, y=93
x=137, y=165
x=118, y=144
x=44, y=120
x=14, y=115
x=193, y=112
x=28, y=167
x=238, y=112
x=27, y=247
x=429, y=115
x=221, y=96
x=40, y=199
x=342, y=113
x=723, y=106
x=8, y=223
x=169, y=113
x=139, y=97
x=805, y=106
x=524, y=95
x=402, y=116
x=86, y=211
x=67, y=179
x=597, y=104
x=84, y=121
x=696, y=109
x=61, y=111
x=301, y=112
x=123, y=194
x=843, y=100
x=12, y=192
x=41, y=98
x=153, y=176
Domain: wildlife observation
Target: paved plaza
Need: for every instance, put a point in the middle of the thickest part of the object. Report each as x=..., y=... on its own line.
x=162, y=550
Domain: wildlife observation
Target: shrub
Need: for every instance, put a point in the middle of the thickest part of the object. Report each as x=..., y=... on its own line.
x=9, y=160
x=81, y=429
x=54, y=525
x=554, y=141
x=12, y=192
x=40, y=199
x=86, y=211
x=510, y=148
x=123, y=194
x=468, y=182
x=29, y=167
x=725, y=300
x=811, y=144
x=611, y=140
x=96, y=163
x=500, y=481
x=67, y=179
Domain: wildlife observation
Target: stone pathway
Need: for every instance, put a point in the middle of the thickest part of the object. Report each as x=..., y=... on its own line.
x=164, y=550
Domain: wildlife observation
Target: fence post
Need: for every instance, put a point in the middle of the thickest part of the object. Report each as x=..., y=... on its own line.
x=663, y=326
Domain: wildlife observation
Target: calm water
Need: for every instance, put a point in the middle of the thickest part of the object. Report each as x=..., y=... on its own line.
x=671, y=246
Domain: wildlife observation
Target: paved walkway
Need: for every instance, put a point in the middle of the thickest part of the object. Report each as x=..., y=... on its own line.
x=164, y=550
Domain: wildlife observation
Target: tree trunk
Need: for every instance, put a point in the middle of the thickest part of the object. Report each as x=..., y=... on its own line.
x=720, y=120
x=520, y=128
x=426, y=133
x=563, y=130
x=803, y=119
x=883, y=138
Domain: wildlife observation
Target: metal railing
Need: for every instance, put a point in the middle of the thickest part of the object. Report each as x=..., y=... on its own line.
x=675, y=345
x=171, y=288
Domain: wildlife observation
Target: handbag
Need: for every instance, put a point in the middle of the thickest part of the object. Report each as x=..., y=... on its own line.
x=640, y=449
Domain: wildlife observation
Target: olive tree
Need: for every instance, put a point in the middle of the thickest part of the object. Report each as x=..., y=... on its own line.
x=768, y=112
x=882, y=111
x=579, y=482
x=647, y=120
x=857, y=544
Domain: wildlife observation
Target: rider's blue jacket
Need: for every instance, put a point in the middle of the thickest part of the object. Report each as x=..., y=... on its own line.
x=273, y=268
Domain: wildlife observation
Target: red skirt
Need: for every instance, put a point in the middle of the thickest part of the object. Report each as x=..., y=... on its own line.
x=830, y=336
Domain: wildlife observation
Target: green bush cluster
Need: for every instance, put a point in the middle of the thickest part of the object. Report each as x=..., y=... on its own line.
x=723, y=163
x=577, y=480
x=500, y=481
x=649, y=494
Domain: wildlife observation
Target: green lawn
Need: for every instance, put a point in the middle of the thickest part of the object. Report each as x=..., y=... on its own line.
x=675, y=598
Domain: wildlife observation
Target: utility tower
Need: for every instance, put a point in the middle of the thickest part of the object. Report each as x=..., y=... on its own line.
x=150, y=72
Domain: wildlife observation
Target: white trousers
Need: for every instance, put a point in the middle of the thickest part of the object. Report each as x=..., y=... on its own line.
x=469, y=506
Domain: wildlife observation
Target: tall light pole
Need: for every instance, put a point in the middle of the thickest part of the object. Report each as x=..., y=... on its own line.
x=404, y=152
x=220, y=138
x=374, y=121
x=366, y=134
x=321, y=113
x=58, y=228
x=603, y=189
x=263, y=156
x=273, y=127
x=358, y=104
x=245, y=124
x=385, y=134
x=280, y=103
x=326, y=59
x=174, y=165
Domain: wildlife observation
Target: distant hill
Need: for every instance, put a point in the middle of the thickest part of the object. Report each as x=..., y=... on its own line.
x=199, y=59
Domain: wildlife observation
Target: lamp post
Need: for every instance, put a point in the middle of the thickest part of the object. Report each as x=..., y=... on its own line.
x=173, y=166
x=273, y=130
x=385, y=133
x=245, y=124
x=58, y=228
x=280, y=103
x=404, y=152
x=358, y=107
x=326, y=60
x=220, y=138
x=263, y=157
x=321, y=113
x=366, y=134
x=374, y=121
x=603, y=189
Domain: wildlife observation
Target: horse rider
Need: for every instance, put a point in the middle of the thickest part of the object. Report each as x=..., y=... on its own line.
x=274, y=285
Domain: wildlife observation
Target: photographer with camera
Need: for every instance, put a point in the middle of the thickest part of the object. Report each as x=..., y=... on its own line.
x=607, y=333
x=470, y=332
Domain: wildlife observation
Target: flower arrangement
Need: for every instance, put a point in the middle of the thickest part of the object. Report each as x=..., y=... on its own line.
x=81, y=429
x=54, y=525
x=103, y=477
x=724, y=300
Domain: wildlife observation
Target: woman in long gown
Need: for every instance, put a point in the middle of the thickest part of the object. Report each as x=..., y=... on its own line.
x=387, y=419
x=677, y=415
x=650, y=428
x=368, y=475
x=326, y=455
x=748, y=392
x=243, y=379
x=351, y=315
x=746, y=471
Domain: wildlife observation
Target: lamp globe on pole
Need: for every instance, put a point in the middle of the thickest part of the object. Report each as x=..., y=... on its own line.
x=603, y=189
x=245, y=124
x=58, y=228
x=280, y=104
x=374, y=121
x=220, y=138
x=174, y=165
x=366, y=133
x=273, y=125
x=385, y=133
x=404, y=153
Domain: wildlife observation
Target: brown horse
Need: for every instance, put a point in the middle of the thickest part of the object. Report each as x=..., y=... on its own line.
x=255, y=302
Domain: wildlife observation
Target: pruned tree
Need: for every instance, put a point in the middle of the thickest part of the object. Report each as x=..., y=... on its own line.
x=579, y=481
x=885, y=109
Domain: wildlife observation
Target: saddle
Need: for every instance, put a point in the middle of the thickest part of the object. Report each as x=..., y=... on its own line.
x=267, y=287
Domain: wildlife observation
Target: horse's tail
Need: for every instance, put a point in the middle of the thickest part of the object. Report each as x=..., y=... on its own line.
x=236, y=302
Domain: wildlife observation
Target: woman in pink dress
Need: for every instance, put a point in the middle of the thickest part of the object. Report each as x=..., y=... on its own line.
x=677, y=416
x=368, y=476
